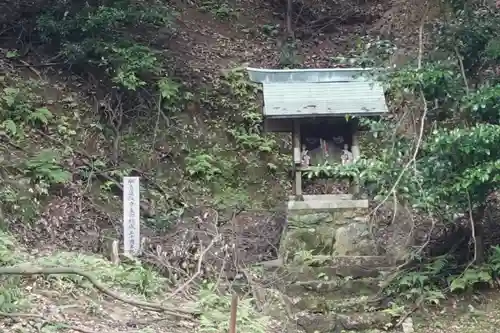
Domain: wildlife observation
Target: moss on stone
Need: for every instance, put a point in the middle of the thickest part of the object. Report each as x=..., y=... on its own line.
x=343, y=232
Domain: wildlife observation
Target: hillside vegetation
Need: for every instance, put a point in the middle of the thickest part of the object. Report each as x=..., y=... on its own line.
x=94, y=91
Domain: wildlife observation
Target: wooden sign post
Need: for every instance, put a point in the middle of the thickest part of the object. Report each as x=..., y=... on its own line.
x=131, y=216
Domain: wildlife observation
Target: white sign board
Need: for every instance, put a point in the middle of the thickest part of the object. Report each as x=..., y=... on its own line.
x=131, y=216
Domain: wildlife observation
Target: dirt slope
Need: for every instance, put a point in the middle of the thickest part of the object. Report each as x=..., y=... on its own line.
x=255, y=35
x=208, y=39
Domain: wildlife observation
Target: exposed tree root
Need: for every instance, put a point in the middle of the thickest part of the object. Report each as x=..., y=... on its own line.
x=168, y=311
x=27, y=270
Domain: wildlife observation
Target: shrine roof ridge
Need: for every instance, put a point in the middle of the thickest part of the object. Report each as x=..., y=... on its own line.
x=308, y=75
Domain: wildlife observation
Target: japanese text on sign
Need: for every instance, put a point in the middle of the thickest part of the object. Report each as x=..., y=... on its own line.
x=131, y=216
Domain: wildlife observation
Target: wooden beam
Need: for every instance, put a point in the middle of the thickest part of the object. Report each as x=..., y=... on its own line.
x=325, y=205
x=297, y=158
x=296, y=144
x=355, y=150
x=355, y=145
x=323, y=197
x=298, y=183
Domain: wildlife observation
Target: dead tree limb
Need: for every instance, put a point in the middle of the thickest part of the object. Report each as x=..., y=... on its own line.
x=28, y=270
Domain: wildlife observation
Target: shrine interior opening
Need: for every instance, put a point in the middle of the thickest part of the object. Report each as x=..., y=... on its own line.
x=326, y=138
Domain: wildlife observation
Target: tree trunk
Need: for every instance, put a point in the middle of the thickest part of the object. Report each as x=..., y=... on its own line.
x=479, y=250
x=289, y=11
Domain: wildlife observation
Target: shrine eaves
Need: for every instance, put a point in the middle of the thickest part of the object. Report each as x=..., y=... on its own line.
x=311, y=93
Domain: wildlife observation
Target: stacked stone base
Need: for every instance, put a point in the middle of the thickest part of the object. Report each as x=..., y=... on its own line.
x=330, y=272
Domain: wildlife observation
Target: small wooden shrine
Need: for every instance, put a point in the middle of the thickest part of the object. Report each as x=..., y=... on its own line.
x=317, y=106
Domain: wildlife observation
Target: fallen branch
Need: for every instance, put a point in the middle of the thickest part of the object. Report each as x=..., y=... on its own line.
x=137, y=323
x=198, y=270
x=45, y=64
x=26, y=271
x=408, y=314
x=34, y=70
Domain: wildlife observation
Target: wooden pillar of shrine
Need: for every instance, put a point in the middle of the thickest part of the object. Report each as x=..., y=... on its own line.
x=297, y=159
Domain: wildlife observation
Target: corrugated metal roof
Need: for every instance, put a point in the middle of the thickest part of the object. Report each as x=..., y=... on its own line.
x=322, y=99
x=319, y=92
x=307, y=75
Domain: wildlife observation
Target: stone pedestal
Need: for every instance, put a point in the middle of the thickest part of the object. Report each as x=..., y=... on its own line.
x=330, y=269
x=343, y=232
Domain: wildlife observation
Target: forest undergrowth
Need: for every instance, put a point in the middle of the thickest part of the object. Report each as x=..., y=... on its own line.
x=92, y=93
x=84, y=101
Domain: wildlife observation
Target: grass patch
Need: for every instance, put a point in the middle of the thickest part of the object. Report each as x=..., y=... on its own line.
x=215, y=313
x=127, y=278
x=131, y=278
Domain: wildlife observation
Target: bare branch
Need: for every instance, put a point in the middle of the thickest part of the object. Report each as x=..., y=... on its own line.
x=420, y=136
x=26, y=271
x=462, y=70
